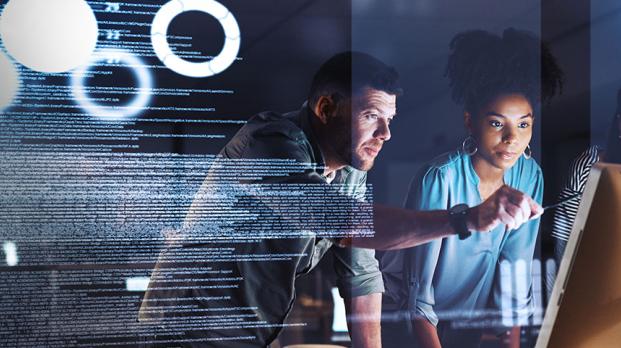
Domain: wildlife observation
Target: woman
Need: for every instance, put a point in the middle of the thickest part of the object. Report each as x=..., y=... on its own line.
x=579, y=172
x=452, y=281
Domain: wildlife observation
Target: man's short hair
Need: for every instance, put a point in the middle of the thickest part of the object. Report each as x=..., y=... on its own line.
x=349, y=72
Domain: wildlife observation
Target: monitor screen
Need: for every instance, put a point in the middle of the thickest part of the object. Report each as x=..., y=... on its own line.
x=585, y=305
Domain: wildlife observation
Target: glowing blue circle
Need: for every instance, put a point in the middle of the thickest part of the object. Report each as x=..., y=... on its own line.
x=114, y=112
x=219, y=63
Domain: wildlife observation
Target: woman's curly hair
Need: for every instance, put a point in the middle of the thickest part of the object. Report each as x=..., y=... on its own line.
x=483, y=65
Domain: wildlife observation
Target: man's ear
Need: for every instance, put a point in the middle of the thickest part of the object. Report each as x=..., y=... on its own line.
x=324, y=108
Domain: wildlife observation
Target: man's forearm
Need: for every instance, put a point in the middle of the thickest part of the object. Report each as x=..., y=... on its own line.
x=364, y=313
x=397, y=228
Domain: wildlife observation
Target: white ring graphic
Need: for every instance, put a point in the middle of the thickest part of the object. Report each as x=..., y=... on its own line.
x=219, y=63
x=114, y=112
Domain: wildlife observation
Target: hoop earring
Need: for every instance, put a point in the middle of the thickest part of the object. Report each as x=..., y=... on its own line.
x=527, y=152
x=468, y=144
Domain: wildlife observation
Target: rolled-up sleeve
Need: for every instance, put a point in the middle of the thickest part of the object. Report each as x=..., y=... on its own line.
x=423, y=267
x=357, y=269
x=357, y=272
x=410, y=272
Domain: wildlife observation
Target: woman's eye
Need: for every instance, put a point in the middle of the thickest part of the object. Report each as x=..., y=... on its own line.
x=495, y=124
x=371, y=116
x=524, y=125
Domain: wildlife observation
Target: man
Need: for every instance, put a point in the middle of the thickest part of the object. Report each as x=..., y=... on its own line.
x=325, y=148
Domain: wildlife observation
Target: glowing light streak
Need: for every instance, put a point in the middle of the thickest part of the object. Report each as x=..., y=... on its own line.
x=9, y=83
x=10, y=252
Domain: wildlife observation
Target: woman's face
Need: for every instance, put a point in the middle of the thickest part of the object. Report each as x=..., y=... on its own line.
x=503, y=128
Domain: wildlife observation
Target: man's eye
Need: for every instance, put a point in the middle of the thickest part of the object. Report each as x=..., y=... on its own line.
x=371, y=116
x=524, y=125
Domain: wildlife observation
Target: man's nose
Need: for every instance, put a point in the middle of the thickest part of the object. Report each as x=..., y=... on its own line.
x=383, y=130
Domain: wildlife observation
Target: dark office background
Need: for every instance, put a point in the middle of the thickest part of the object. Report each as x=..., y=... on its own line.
x=285, y=41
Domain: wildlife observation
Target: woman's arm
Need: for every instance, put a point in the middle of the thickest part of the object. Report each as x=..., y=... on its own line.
x=426, y=333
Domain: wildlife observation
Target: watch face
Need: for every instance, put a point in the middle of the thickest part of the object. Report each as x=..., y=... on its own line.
x=458, y=214
x=459, y=209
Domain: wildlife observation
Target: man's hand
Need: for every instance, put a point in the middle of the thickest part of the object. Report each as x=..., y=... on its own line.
x=506, y=206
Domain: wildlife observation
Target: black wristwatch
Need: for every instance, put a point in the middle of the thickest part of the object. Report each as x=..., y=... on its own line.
x=458, y=215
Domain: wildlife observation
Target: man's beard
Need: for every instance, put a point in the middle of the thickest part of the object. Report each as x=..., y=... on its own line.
x=357, y=160
x=364, y=165
x=355, y=157
x=341, y=136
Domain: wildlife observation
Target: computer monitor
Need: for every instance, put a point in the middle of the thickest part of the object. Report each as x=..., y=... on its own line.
x=585, y=305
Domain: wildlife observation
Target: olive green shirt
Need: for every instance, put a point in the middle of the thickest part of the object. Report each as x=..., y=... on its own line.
x=265, y=289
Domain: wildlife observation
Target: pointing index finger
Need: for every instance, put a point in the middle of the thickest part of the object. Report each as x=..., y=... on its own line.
x=535, y=209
